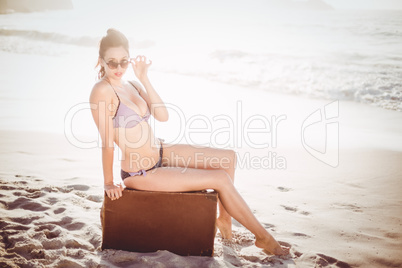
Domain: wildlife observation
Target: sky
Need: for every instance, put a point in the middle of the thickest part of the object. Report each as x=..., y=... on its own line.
x=337, y=4
x=365, y=4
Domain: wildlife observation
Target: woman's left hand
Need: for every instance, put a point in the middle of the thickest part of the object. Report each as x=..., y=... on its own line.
x=140, y=66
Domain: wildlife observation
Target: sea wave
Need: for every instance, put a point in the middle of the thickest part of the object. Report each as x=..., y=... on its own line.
x=349, y=56
x=356, y=77
x=86, y=41
x=51, y=37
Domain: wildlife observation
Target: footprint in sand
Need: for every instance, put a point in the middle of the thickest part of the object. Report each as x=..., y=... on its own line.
x=63, y=189
x=52, y=200
x=27, y=204
x=293, y=209
x=45, y=226
x=296, y=253
x=26, y=219
x=270, y=226
x=32, y=194
x=289, y=208
x=352, y=207
x=13, y=226
x=24, y=249
x=324, y=260
x=305, y=213
x=6, y=187
x=31, y=190
x=243, y=238
x=79, y=187
x=50, y=230
x=93, y=198
x=284, y=189
x=22, y=176
x=67, y=223
x=319, y=260
x=301, y=235
x=35, y=194
x=59, y=210
x=286, y=244
x=56, y=243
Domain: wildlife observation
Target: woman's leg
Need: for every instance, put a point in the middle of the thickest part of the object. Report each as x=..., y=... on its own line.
x=203, y=157
x=177, y=179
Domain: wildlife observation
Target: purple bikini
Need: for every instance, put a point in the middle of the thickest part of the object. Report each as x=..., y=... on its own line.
x=125, y=117
x=125, y=174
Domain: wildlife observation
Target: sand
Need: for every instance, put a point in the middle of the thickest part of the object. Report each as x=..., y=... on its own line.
x=51, y=191
x=51, y=196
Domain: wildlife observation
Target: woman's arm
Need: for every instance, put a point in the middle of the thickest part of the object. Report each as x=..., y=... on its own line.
x=107, y=164
x=154, y=101
x=101, y=100
x=158, y=108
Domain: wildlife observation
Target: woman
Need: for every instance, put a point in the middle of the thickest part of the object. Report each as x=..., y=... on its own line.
x=121, y=114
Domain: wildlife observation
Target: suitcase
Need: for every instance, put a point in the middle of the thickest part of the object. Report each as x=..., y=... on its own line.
x=146, y=221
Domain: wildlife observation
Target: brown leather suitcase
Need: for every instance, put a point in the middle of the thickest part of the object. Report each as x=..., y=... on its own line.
x=147, y=221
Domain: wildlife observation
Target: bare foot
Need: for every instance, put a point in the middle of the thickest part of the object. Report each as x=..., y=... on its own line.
x=272, y=246
x=225, y=227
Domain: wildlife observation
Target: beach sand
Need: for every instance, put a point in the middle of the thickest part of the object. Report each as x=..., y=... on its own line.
x=344, y=216
x=51, y=194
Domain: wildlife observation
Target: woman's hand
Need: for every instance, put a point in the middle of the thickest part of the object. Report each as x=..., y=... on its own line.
x=114, y=191
x=140, y=66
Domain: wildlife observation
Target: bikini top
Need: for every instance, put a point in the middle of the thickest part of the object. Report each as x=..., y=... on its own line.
x=126, y=117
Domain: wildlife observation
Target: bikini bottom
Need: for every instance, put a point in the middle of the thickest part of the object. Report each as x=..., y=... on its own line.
x=125, y=174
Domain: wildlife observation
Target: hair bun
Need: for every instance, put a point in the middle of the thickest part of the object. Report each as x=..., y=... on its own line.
x=112, y=31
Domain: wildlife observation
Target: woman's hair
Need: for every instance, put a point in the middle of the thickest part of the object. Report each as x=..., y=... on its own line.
x=114, y=38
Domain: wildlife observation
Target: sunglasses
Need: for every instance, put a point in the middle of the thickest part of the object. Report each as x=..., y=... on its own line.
x=114, y=65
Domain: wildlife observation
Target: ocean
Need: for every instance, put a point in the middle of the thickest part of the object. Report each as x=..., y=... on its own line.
x=351, y=55
x=338, y=54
